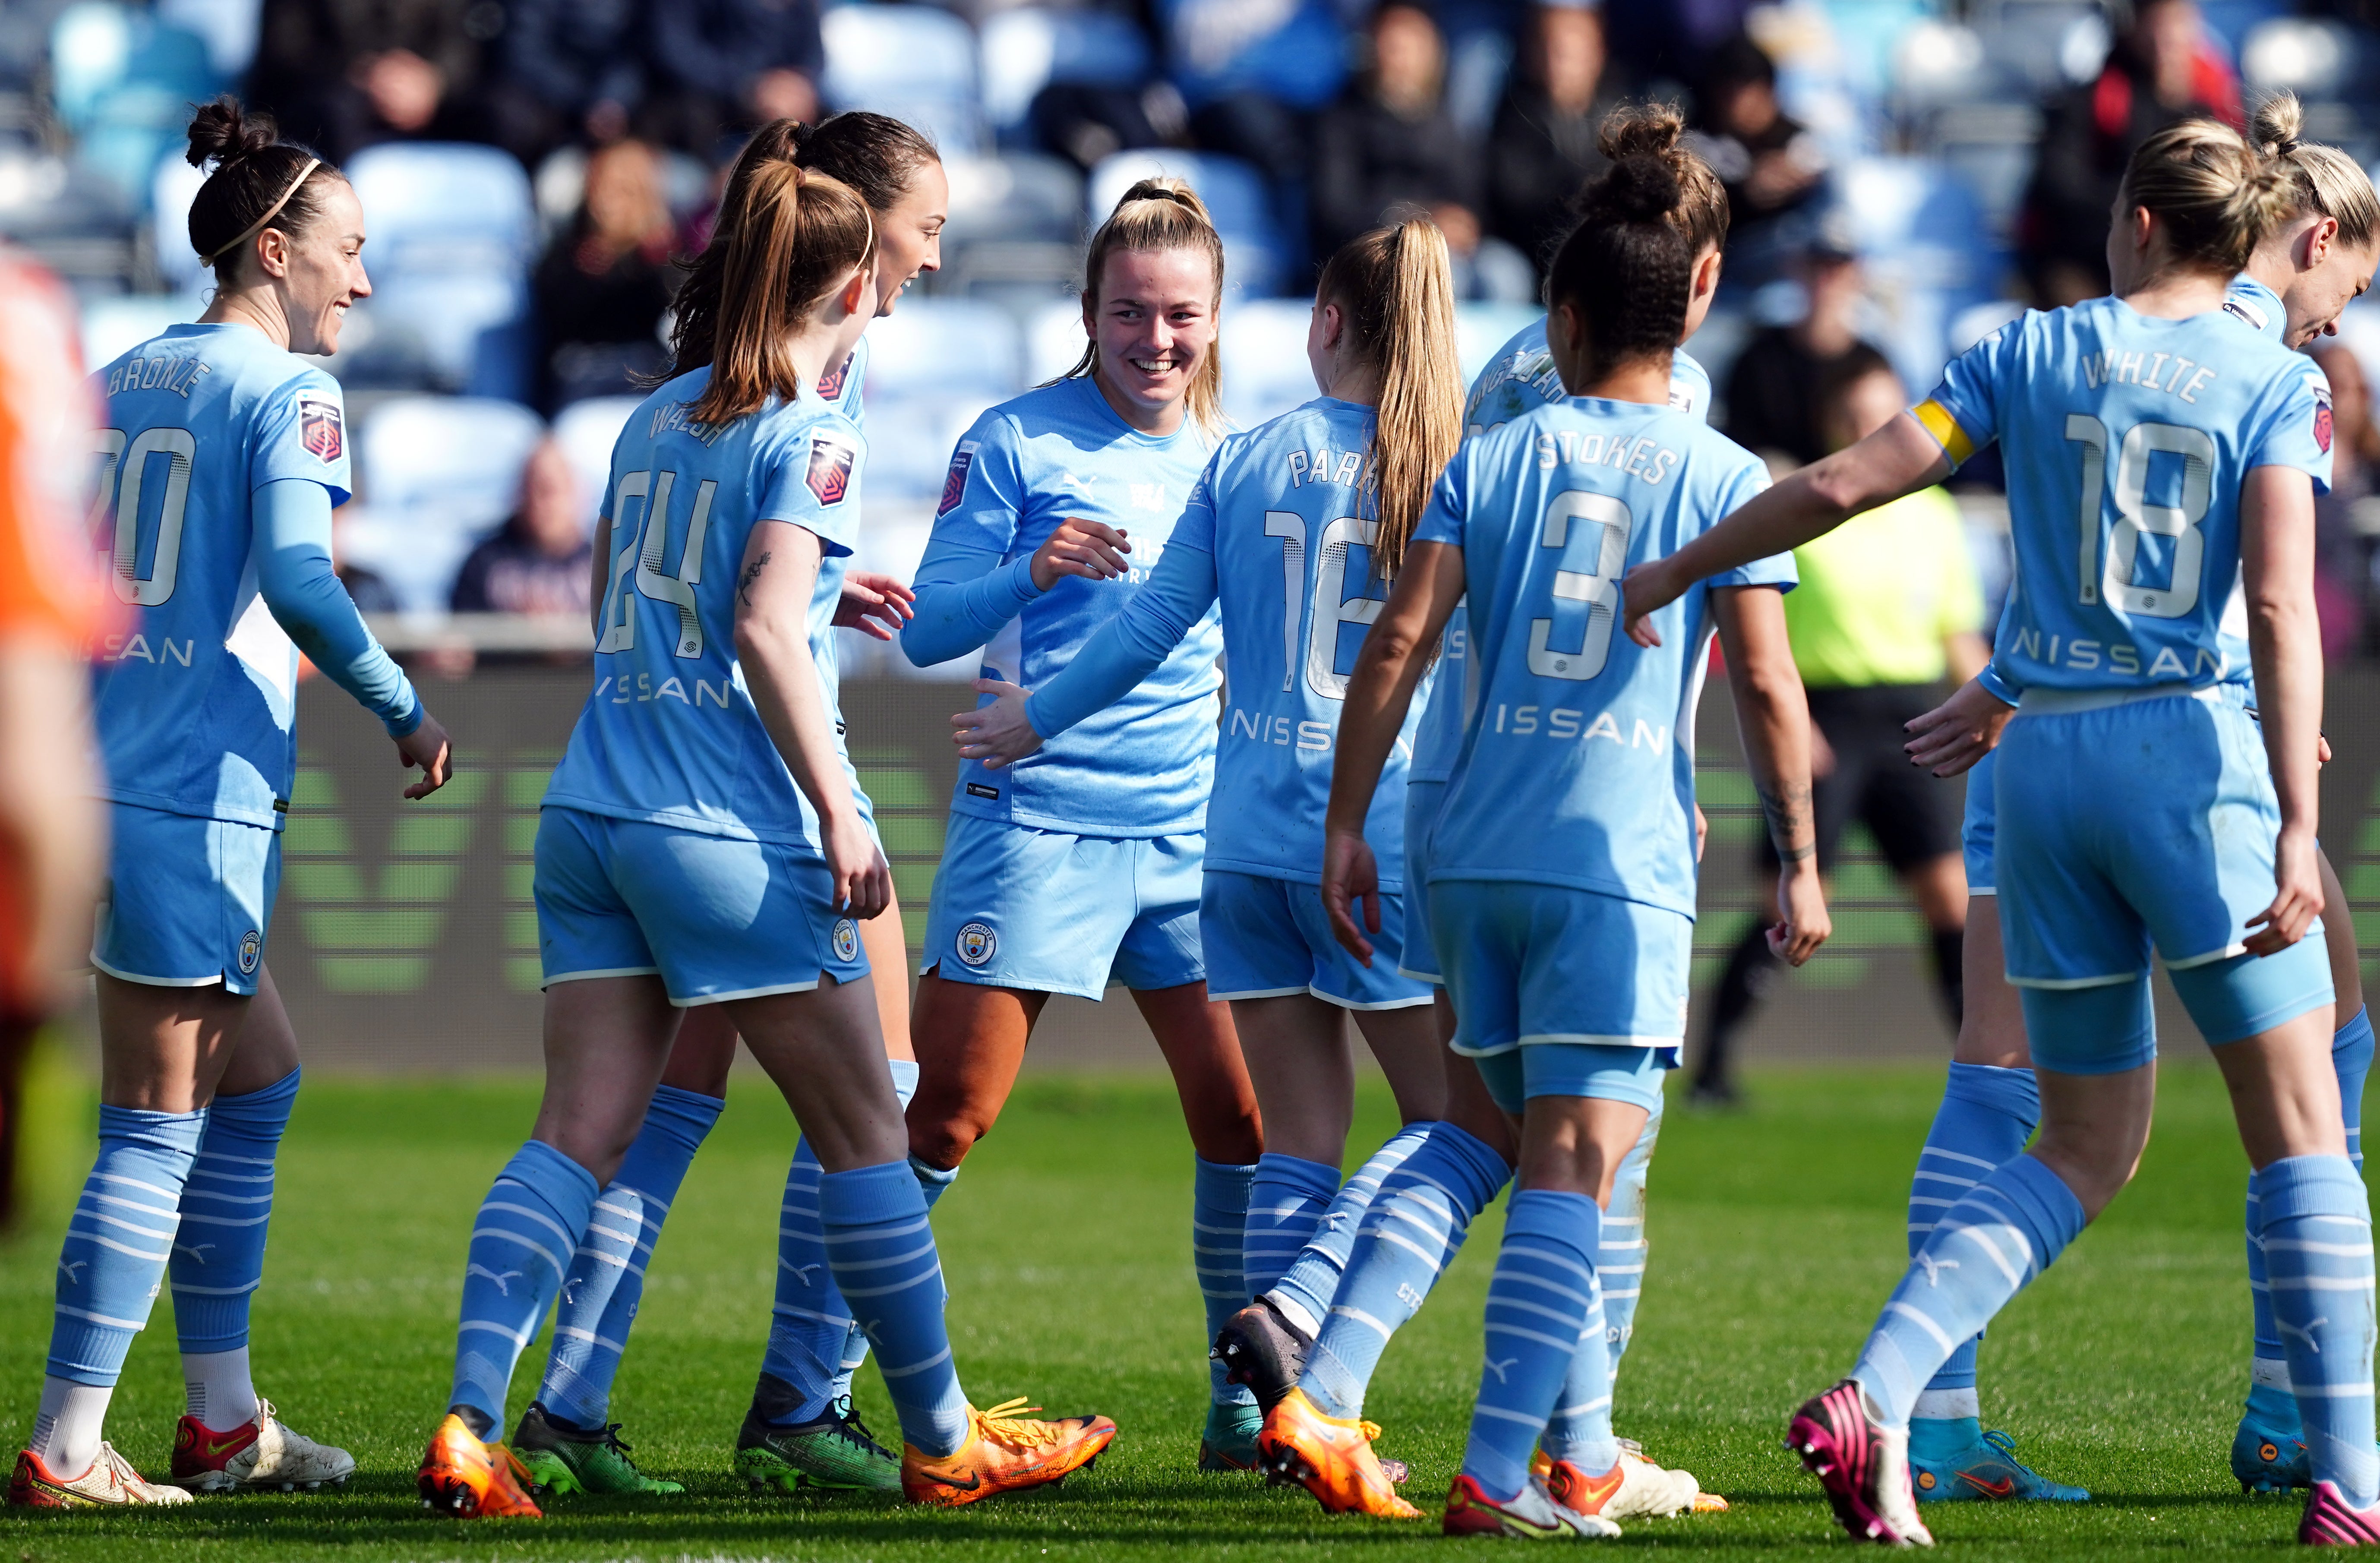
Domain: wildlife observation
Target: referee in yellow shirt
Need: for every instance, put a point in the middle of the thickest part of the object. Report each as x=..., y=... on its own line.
x=1887, y=614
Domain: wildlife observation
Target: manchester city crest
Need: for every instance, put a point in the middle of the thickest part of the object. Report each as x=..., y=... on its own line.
x=846, y=940
x=251, y=953
x=978, y=943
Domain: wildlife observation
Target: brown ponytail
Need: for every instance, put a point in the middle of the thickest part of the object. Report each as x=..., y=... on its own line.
x=1160, y=213
x=1659, y=130
x=1626, y=268
x=801, y=236
x=1395, y=290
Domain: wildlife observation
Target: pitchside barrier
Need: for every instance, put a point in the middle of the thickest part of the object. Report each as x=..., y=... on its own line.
x=405, y=938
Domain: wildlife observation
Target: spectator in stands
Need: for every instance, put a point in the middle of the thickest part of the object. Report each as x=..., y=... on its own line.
x=344, y=74
x=566, y=70
x=1255, y=76
x=1887, y=611
x=1773, y=404
x=537, y=563
x=2162, y=68
x=370, y=590
x=605, y=285
x=1389, y=148
x=1770, y=161
x=1541, y=147
x=2343, y=555
x=723, y=66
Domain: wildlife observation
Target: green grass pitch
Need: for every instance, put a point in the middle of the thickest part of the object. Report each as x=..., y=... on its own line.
x=1776, y=1234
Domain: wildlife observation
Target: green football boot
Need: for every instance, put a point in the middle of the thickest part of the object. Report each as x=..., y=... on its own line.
x=1229, y=1442
x=562, y=1459
x=834, y=1452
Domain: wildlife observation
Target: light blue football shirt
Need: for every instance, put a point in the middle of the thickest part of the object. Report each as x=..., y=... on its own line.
x=195, y=705
x=844, y=386
x=1519, y=378
x=1144, y=766
x=670, y=734
x=1278, y=531
x=1577, y=760
x=2126, y=440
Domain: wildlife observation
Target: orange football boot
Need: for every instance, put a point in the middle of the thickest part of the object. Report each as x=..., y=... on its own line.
x=1330, y=1457
x=469, y=1479
x=1003, y=1453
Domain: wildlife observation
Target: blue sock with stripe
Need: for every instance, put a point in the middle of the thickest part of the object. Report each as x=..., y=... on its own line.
x=522, y=1242
x=1305, y=1289
x=814, y=1348
x=1219, y=1215
x=1285, y=1205
x=1413, y=1230
x=1620, y=1263
x=1988, y=1114
x=227, y=1206
x=1539, y=1303
x=1580, y=1428
x=607, y=1275
x=2318, y=1254
x=1982, y=1250
x=119, y=1240
x=2269, y=1400
x=881, y=1248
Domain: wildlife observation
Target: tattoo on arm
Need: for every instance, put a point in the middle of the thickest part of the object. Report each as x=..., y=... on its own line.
x=1788, y=814
x=751, y=574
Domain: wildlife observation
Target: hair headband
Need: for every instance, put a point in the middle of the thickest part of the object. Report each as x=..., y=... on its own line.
x=269, y=213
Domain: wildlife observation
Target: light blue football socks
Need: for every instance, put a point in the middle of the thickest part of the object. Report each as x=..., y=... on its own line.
x=1413, y=1231
x=1988, y=1114
x=119, y=1240
x=881, y=1247
x=226, y=1206
x=2270, y=1404
x=1620, y=1263
x=2317, y=1242
x=522, y=1242
x=1304, y=1292
x=606, y=1280
x=814, y=1347
x=1984, y=1249
x=1540, y=1302
x=1219, y=1216
x=1285, y=1207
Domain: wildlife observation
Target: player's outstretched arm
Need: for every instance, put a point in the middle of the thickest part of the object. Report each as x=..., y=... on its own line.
x=1379, y=692
x=2285, y=646
x=1897, y=459
x=301, y=589
x=1125, y=649
x=772, y=592
x=1773, y=713
x=966, y=593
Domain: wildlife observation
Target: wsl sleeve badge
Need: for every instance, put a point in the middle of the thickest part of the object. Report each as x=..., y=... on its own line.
x=830, y=474
x=955, y=481
x=2321, y=422
x=320, y=428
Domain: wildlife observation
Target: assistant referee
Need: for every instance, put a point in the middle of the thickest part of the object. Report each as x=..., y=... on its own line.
x=1887, y=611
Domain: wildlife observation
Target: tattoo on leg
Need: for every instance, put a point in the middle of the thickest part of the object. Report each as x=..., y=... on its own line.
x=751, y=574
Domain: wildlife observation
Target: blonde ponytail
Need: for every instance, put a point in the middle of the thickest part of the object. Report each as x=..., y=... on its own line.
x=798, y=236
x=1161, y=214
x=1395, y=291
x=2215, y=196
x=2327, y=182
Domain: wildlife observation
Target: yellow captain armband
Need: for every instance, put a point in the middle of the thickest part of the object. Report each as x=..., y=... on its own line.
x=1945, y=429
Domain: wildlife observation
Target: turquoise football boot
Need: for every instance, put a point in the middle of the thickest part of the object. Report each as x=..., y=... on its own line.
x=1981, y=1466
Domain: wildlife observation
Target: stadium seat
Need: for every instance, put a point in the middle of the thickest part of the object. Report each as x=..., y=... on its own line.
x=453, y=230
x=587, y=430
x=228, y=27
x=1053, y=340
x=115, y=326
x=915, y=63
x=1480, y=329
x=2048, y=44
x=2313, y=58
x=1265, y=368
x=1016, y=228
x=933, y=366
x=1256, y=251
x=1928, y=248
x=171, y=191
x=123, y=81
x=435, y=474
x=1027, y=49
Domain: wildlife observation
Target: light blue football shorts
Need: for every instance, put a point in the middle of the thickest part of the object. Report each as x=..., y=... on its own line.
x=1051, y=913
x=1418, y=959
x=1979, y=826
x=1268, y=938
x=1530, y=967
x=714, y=917
x=188, y=900
x=2144, y=825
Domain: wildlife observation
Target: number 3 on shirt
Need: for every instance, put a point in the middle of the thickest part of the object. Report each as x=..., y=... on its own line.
x=1607, y=540
x=2126, y=486
x=123, y=473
